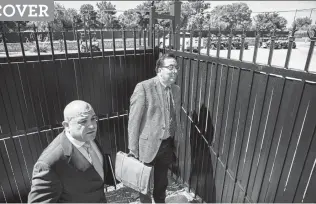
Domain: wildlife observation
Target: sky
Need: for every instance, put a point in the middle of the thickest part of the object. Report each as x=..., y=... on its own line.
x=255, y=6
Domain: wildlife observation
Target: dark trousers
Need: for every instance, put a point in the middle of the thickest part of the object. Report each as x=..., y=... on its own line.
x=161, y=163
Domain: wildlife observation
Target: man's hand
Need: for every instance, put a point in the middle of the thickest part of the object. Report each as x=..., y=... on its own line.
x=131, y=154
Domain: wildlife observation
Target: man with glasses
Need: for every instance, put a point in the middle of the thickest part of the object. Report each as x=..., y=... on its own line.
x=154, y=124
x=73, y=168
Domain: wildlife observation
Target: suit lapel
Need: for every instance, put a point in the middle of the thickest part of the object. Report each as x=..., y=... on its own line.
x=159, y=91
x=76, y=159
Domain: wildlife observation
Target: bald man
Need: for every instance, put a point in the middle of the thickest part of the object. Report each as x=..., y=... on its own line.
x=73, y=168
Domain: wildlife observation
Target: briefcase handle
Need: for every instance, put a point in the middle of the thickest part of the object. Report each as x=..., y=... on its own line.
x=135, y=158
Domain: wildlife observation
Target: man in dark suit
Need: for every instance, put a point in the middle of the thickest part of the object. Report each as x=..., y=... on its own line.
x=72, y=168
x=154, y=123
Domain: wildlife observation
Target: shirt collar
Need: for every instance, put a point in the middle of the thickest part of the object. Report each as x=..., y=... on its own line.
x=75, y=142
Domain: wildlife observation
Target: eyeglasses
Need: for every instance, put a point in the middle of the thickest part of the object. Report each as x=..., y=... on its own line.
x=172, y=67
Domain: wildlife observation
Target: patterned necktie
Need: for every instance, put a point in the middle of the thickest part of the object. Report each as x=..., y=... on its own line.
x=168, y=98
x=95, y=159
x=170, y=107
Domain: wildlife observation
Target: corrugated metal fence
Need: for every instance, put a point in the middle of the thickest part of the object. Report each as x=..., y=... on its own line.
x=35, y=90
x=250, y=127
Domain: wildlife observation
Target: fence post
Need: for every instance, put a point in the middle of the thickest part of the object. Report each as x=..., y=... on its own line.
x=242, y=47
x=230, y=39
x=151, y=25
x=5, y=44
x=271, y=47
x=310, y=54
x=290, y=45
x=176, y=12
x=218, y=47
x=255, y=52
x=21, y=42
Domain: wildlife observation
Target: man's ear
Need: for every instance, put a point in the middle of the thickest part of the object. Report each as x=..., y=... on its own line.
x=65, y=124
x=158, y=70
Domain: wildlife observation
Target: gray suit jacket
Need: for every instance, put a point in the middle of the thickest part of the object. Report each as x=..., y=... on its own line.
x=63, y=174
x=147, y=121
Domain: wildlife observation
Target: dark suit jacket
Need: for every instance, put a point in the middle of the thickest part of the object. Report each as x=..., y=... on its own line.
x=63, y=174
x=147, y=121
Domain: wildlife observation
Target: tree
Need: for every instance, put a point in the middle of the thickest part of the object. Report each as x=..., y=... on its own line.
x=11, y=26
x=106, y=14
x=40, y=25
x=68, y=17
x=89, y=17
x=270, y=21
x=70, y=14
x=136, y=18
x=236, y=15
x=85, y=9
x=141, y=14
x=162, y=7
x=190, y=9
x=301, y=24
x=196, y=22
x=129, y=19
x=63, y=18
x=59, y=17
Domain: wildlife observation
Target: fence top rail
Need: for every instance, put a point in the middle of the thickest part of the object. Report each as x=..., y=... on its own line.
x=71, y=56
x=199, y=41
x=22, y=46
x=92, y=29
x=292, y=74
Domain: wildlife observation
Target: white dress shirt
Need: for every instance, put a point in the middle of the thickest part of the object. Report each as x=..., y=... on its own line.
x=79, y=145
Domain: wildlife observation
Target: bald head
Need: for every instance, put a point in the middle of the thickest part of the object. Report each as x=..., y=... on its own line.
x=80, y=121
x=76, y=109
